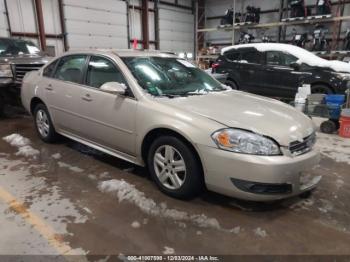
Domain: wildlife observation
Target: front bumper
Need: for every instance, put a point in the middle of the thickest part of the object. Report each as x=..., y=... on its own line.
x=6, y=81
x=223, y=169
x=10, y=91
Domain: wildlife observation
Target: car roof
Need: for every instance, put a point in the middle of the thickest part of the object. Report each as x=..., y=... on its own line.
x=123, y=52
x=260, y=46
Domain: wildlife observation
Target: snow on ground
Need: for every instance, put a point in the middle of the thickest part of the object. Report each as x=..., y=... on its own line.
x=260, y=232
x=334, y=146
x=168, y=251
x=128, y=192
x=236, y=230
x=51, y=206
x=56, y=156
x=17, y=140
x=27, y=151
x=135, y=224
x=70, y=167
x=23, y=145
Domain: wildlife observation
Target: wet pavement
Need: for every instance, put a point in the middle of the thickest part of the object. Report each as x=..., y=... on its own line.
x=70, y=199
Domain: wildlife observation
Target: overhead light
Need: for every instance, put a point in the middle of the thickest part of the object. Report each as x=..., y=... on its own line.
x=189, y=55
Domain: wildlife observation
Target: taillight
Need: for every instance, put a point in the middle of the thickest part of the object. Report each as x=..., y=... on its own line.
x=215, y=65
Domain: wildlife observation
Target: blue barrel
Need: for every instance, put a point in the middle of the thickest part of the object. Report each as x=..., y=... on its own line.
x=334, y=104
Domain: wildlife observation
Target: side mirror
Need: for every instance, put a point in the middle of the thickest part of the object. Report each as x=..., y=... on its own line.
x=295, y=66
x=114, y=88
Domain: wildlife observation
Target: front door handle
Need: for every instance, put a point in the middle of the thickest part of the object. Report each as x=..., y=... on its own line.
x=87, y=98
x=49, y=87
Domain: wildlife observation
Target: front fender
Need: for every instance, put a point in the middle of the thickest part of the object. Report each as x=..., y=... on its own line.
x=194, y=128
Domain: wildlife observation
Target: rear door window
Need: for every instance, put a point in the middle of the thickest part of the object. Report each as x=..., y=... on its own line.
x=71, y=68
x=233, y=56
x=277, y=58
x=251, y=57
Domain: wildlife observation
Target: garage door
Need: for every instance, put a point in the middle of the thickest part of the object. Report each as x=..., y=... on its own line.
x=3, y=20
x=100, y=24
x=176, y=30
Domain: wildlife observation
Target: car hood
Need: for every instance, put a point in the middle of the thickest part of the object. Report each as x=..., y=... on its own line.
x=261, y=115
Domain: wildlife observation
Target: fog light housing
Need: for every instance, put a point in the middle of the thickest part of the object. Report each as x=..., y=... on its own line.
x=262, y=188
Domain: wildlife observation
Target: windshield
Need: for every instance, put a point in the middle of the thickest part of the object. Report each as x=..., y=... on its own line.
x=163, y=76
x=10, y=47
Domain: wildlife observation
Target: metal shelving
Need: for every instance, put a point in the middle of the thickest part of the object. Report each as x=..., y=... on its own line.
x=311, y=20
x=307, y=20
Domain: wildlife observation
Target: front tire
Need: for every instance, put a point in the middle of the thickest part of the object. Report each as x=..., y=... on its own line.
x=174, y=168
x=231, y=84
x=43, y=124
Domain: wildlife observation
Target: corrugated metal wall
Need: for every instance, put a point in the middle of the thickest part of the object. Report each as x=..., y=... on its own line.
x=96, y=25
x=3, y=20
x=176, y=29
x=53, y=24
x=22, y=17
x=101, y=24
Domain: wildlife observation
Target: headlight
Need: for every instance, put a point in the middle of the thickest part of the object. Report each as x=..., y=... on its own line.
x=245, y=142
x=6, y=71
x=342, y=76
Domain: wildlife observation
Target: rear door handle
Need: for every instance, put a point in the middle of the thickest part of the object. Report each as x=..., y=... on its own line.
x=87, y=98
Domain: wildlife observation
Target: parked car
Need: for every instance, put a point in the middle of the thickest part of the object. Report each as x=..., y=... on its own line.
x=160, y=111
x=17, y=57
x=277, y=70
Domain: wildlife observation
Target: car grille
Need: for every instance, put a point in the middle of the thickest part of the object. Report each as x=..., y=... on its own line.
x=299, y=148
x=22, y=69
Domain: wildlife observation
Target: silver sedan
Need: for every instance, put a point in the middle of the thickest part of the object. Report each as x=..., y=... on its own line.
x=192, y=132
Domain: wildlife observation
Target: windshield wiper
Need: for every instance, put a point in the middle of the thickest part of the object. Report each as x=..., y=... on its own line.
x=190, y=94
x=168, y=95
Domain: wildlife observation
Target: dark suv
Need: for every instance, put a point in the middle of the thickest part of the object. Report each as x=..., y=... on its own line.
x=277, y=70
x=17, y=57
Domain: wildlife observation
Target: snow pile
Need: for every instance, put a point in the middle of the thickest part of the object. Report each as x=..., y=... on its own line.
x=70, y=167
x=303, y=55
x=236, y=230
x=56, y=156
x=127, y=192
x=135, y=224
x=260, y=232
x=334, y=147
x=168, y=251
x=17, y=140
x=327, y=206
x=23, y=145
x=27, y=151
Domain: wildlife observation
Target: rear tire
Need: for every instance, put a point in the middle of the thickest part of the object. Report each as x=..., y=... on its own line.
x=321, y=89
x=174, y=168
x=43, y=124
x=231, y=84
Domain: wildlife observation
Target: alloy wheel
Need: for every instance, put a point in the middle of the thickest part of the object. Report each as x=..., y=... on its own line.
x=42, y=123
x=169, y=167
